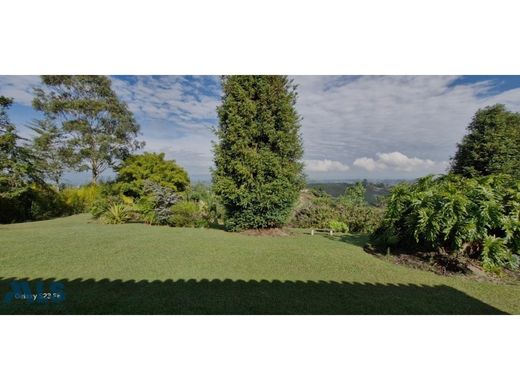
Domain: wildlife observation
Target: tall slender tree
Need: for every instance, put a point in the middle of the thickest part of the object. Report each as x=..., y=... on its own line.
x=98, y=128
x=258, y=172
x=47, y=146
x=17, y=162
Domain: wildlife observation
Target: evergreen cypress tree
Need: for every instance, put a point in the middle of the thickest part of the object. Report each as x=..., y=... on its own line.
x=258, y=172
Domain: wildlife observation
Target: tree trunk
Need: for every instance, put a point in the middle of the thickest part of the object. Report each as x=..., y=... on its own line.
x=95, y=174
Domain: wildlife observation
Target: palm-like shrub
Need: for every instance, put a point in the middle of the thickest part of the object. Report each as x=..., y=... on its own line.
x=452, y=214
x=117, y=214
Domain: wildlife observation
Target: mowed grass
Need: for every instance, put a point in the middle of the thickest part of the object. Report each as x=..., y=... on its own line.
x=134, y=269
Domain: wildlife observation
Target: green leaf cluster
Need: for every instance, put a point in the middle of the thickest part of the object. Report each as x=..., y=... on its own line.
x=454, y=214
x=136, y=170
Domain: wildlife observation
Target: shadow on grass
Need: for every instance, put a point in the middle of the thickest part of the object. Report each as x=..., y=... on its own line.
x=352, y=239
x=243, y=297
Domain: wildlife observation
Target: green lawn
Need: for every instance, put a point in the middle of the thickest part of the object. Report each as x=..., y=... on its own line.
x=135, y=268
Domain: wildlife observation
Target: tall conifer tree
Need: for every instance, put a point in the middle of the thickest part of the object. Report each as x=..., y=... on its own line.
x=258, y=172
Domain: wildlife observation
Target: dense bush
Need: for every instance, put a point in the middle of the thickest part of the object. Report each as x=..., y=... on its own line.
x=33, y=203
x=338, y=226
x=452, y=214
x=360, y=218
x=138, y=170
x=187, y=214
x=81, y=199
x=155, y=205
x=318, y=212
x=210, y=204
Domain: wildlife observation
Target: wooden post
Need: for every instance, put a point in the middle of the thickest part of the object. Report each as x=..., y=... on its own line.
x=312, y=232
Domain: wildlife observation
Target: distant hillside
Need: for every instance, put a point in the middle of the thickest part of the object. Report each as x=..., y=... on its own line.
x=373, y=190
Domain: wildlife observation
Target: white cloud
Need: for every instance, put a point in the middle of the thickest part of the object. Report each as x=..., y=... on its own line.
x=395, y=161
x=20, y=88
x=176, y=116
x=171, y=98
x=325, y=166
x=193, y=152
x=353, y=118
x=367, y=163
x=347, y=121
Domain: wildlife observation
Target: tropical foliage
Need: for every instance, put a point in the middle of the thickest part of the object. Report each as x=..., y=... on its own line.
x=117, y=213
x=451, y=214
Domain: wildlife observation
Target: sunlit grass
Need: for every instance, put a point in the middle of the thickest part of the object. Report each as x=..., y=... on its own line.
x=109, y=268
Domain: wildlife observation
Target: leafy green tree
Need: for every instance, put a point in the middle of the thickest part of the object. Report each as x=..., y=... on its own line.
x=98, y=128
x=355, y=194
x=258, y=172
x=137, y=169
x=47, y=145
x=17, y=163
x=23, y=194
x=492, y=144
x=5, y=123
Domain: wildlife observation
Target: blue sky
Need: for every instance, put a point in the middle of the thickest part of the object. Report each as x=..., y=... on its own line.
x=353, y=126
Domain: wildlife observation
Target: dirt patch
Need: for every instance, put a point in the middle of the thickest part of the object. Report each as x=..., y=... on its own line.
x=273, y=232
x=446, y=265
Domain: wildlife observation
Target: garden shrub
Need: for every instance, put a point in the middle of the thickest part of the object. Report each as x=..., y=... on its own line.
x=453, y=214
x=117, y=213
x=33, y=203
x=103, y=197
x=360, y=218
x=81, y=199
x=137, y=171
x=102, y=203
x=210, y=205
x=187, y=214
x=155, y=206
x=338, y=226
x=318, y=212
